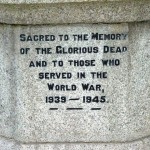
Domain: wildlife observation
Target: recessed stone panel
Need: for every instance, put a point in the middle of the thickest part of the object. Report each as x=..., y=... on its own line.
x=76, y=83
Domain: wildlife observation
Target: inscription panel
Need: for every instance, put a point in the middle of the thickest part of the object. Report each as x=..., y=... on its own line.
x=75, y=83
x=71, y=82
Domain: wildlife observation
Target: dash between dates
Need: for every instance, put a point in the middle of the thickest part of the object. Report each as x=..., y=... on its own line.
x=84, y=99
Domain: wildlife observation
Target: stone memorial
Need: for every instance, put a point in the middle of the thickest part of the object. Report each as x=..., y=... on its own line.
x=75, y=75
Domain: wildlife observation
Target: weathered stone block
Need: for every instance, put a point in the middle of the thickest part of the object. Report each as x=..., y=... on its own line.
x=44, y=103
x=124, y=116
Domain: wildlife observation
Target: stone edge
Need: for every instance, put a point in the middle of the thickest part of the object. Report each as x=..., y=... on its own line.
x=6, y=143
x=83, y=12
x=56, y=1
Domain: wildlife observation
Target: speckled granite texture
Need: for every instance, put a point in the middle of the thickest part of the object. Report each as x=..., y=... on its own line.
x=58, y=1
x=84, y=12
x=8, y=144
x=121, y=124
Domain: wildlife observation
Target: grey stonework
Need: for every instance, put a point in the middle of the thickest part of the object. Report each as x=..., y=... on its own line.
x=122, y=124
x=83, y=12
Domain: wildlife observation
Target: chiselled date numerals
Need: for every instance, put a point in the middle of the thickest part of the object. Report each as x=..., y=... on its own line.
x=94, y=99
x=56, y=99
x=84, y=99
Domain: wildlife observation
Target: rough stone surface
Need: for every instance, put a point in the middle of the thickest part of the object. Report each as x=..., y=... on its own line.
x=26, y=123
x=143, y=144
x=26, y=118
x=85, y=12
x=54, y=1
